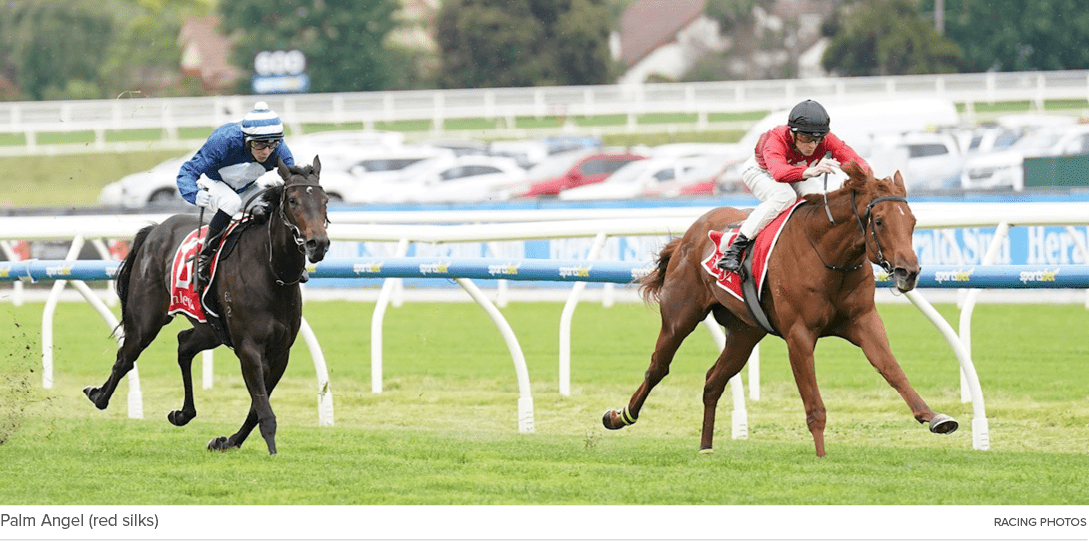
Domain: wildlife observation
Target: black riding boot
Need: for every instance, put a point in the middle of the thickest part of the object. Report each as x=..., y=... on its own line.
x=211, y=246
x=732, y=258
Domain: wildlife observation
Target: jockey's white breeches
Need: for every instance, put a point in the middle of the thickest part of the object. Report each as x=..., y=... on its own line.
x=775, y=197
x=224, y=198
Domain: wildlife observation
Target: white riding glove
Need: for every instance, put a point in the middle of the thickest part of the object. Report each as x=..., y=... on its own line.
x=828, y=165
x=204, y=199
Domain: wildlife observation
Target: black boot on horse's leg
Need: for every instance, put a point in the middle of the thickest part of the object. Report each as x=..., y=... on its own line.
x=211, y=246
x=732, y=258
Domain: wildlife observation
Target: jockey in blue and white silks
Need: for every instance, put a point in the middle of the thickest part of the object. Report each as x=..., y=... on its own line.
x=226, y=167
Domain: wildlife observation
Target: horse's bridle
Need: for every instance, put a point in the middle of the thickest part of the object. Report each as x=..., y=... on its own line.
x=868, y=221
x=296, y=233
x=865, y=223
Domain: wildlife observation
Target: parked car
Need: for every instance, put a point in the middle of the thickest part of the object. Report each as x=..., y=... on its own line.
x=930, y=161
x=527, y=152
x=156, y=187
x=642, y=176
x=702, y=182
x=1005, y=169
x=575, y=168
x=468, y=178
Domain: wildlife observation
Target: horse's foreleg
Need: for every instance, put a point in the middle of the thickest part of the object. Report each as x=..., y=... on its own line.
x=260, y=413
x=679, y=317
x=800, y=345
x=739, y=344
x=869, y=334
x=190, y=342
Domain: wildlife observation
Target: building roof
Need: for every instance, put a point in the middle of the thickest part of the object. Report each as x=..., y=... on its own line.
x=650, y=24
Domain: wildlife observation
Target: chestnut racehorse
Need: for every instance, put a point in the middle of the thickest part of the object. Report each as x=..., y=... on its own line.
x=819, y=283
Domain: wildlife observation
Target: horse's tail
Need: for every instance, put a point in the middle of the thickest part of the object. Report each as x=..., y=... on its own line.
x=651, y=285
x=124, y=272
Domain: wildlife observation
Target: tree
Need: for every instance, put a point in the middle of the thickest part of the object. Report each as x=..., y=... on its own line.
x=886, y=37
x=521, y=43
x=53, y=47
x=1018, y=36
x=91, y=48
x=345, y=42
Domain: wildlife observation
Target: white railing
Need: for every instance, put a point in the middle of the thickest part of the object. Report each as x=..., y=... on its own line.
x=668, y=222
x=505, y=105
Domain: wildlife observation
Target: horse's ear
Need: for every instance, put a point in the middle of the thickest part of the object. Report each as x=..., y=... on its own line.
x=898, y=180
x=317, y=165
x=282, y=169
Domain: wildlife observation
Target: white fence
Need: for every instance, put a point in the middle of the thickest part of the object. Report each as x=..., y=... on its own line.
x=649, y=222
x=437, y=107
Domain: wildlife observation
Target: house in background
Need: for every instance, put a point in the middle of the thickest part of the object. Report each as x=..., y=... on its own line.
x=206, y=55
x=667, y=38
x=664, y=37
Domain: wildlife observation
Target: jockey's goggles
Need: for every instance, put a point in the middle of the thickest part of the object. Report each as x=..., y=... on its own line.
x=262, y=145
x=808, y=138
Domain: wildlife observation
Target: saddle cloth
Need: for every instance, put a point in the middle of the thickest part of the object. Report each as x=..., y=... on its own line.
x=183, y=296
x=762, y=247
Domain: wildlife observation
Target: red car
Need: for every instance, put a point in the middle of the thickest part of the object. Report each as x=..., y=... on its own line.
x=578, y=168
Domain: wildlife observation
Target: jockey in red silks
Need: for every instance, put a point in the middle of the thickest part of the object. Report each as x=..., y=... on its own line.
x=783, y=157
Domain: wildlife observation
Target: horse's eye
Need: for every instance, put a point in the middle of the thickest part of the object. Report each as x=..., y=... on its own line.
x=877, y=221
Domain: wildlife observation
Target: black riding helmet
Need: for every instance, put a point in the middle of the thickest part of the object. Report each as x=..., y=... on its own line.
x=810, y=118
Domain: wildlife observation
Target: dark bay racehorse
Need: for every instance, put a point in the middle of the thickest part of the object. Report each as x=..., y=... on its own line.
x=256, y=287
x=819, y=283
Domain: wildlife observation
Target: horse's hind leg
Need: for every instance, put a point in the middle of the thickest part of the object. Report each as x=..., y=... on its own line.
x=739, y=344
x=680, y=315
x=869, y=334
x=141, y=330
x=190, y=342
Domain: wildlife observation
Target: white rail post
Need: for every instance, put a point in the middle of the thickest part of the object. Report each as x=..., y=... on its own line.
x=376, y=324
x=325, y=392
x=47, y=317
x=981, y=439
x=568, y=315
x=739, y=428
x=525, y=394
x=964, y=328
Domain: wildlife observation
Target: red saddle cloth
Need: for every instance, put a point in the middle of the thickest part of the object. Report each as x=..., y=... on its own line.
x=762, y=248
x=183, y=296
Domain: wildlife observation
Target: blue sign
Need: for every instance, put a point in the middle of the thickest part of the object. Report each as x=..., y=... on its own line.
x=281, y=84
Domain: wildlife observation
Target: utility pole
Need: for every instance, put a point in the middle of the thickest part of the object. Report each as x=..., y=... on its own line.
x=939, y=16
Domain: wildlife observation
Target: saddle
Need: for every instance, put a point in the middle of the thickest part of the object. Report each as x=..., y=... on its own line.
x=747, y=286
x=183, y=296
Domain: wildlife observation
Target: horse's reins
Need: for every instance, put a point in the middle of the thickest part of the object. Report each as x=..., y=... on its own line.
x=862, y=224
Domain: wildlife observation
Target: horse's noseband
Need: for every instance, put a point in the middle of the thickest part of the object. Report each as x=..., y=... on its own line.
x=866, y=221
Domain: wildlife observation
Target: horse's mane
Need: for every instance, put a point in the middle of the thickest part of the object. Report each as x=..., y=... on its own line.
x=272, y=195
x=862, y=181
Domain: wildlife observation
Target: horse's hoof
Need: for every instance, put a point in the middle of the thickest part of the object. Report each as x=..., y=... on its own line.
x=607, y=420
x=218, y=443
x=93, y=394
x=179, y=418
x=941, y=423
x=707, y=451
